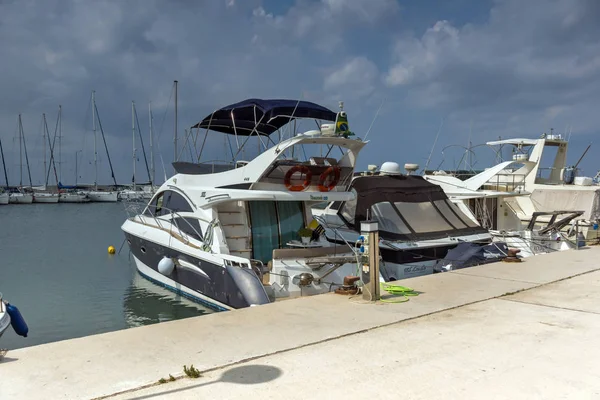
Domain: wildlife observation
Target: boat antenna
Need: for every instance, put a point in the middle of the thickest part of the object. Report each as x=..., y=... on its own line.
x=570, y=132
x=583, y=155
x=175, y=132
x=434, y=143
x=374, y=118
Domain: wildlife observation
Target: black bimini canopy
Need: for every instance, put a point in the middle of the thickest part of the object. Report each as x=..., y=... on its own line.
x=372, y=190
x=262, y=116
x=407, y=207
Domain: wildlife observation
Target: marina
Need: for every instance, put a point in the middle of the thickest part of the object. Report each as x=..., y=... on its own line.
x=228, y=241
x=300, y=199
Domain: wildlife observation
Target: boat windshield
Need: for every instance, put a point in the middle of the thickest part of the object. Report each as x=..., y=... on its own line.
x=407, y=208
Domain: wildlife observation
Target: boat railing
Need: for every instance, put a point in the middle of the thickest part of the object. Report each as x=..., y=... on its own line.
x=171, y=222
x=506, y=182
x=241, y=262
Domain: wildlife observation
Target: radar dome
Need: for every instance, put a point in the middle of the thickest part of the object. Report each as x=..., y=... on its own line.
x=391, y=168
x=411, y=167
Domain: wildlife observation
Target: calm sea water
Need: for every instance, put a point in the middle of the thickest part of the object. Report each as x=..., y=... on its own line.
x=56, y=269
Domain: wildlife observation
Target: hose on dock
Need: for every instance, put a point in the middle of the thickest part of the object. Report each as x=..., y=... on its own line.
x=397, y=290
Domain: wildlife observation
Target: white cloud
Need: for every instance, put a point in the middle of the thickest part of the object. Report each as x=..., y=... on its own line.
x=528, y=57
x=323, y=23
x=355, y=79
x=529, y=65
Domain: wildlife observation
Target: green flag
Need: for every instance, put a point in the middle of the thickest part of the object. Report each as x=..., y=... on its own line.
x=341, y=125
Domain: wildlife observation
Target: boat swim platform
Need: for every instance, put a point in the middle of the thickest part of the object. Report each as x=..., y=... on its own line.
x=516, y=330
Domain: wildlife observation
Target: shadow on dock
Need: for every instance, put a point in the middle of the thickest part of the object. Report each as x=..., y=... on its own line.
x=242, y=375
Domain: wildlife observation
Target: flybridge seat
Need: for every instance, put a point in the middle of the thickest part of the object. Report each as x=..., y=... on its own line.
x=327, y=161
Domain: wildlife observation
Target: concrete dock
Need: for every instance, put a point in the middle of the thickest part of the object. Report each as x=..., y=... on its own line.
x=504, y=330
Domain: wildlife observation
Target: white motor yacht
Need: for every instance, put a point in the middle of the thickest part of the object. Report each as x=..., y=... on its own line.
x=418, y=224
x=238, y=237
x=518, y=199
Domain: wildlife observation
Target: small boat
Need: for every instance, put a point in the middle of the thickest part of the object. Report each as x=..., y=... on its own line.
x=136, y=195
x=45, y=197
x=4, y=317
x=103, y=196
x=72, y=196
x=3, y=197
x=20, y=197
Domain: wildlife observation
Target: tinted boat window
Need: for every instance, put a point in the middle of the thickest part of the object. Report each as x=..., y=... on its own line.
x=349, y=208
x=155, y=205
x=265, y=229
x=189, y=226
x=174, y=202
x=388, y=219
x=291, y=218
x=423, y=217
x=450, y=216
x=462, y=215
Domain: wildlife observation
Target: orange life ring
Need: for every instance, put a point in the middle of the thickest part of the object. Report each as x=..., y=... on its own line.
x=288, y=178
x=336, y=177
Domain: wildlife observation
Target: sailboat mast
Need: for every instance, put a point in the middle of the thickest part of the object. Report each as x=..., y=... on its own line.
x=4, y=164
x=20, y=154
x=95, y=146
x=43, y=128
x=26, y=156
x=151, y=144
x=59, y=143
x=175, y=133
x=133, y=139
x=51, y=145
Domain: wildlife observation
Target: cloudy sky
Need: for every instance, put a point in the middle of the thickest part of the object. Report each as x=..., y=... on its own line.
x=466, y=68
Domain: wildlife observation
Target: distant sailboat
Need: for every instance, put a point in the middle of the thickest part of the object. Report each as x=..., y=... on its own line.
x=4, y=196
x=67, y=194
x=44, y=196
x=100, y=195
x=20, y=196
x=137, y=192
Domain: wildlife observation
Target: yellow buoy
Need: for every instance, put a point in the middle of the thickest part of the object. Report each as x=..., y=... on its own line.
x=111, y=250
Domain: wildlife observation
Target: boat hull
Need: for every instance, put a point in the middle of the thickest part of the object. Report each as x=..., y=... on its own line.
x=158, y=279
x=4, y=198
x=45, y=198
x=103, y=197
x=205, y=281
x=73, y=198
x=4, y=320
x=20, y=198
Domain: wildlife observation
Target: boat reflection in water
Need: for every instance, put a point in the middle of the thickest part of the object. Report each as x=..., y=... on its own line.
x=145, y=304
